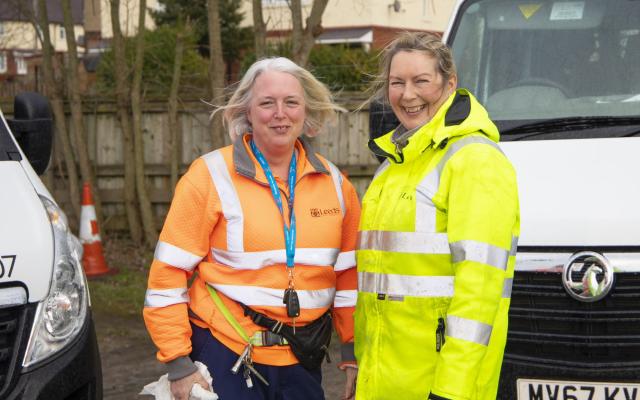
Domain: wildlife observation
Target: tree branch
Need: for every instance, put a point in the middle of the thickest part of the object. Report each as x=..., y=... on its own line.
x=259, y=30
x=311, y=31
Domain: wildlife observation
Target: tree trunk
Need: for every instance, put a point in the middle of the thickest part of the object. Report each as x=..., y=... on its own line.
x=148, y=223
x=296, y=26
x=216, y=71
x=311, y=32
x=174, y=123
x=122, y=101
x=57, y=106
x=259, y=30
x=73, y=89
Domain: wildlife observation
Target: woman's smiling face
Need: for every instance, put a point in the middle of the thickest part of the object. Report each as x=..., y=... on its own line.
x=276, y=111
x=416, y=88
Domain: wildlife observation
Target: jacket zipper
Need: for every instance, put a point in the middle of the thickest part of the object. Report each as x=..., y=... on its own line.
x=440, y=334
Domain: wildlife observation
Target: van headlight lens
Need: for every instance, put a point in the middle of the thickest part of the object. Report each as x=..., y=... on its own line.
x=60, y=317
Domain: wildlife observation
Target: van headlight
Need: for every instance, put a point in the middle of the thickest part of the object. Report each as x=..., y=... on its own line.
x=60, y=317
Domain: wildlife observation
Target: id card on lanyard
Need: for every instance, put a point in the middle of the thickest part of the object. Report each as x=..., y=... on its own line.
x=290, y=297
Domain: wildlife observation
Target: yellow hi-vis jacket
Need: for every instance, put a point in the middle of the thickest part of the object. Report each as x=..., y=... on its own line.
x=438, y=237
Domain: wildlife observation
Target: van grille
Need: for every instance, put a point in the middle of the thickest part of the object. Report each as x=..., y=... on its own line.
x=548, y=326
x=12, y=341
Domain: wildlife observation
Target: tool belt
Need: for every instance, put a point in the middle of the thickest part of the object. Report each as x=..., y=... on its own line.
x=309, y=343
x=268, y=338
x=259, y=338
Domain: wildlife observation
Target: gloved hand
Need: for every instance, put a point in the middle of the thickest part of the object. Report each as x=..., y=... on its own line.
x=162, y=388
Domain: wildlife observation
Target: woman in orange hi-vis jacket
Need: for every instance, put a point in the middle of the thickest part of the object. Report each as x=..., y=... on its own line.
x=267, y=228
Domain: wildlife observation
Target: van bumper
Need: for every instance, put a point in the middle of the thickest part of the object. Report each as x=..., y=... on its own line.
x=75, y=374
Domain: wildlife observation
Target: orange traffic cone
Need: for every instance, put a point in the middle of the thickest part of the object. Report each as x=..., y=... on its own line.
x=93, y=257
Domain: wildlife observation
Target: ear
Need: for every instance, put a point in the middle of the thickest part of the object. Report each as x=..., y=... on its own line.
x=452, y=83
x=249, y=118
x=308, y=130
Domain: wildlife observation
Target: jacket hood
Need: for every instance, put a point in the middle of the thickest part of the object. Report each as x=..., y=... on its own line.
x=461, y=114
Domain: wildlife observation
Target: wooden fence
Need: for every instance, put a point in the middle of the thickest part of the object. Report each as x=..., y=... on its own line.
x=344, y=143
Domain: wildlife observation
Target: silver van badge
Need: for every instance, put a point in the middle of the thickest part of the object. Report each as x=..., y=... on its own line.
x=587, y=276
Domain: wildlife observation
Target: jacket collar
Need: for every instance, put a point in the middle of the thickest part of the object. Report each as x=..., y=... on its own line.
x=460, y=114
x=246, y=164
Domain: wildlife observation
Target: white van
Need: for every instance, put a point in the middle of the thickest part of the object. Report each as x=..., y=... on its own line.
x=48, y=345
x=561, y=80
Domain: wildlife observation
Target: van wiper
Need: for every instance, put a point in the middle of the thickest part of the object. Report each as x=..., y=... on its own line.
x=558, y=125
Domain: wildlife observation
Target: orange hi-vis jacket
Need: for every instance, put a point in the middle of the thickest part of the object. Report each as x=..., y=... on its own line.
x=225, y=227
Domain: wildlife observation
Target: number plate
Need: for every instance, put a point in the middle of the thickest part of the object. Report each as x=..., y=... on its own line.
x=533, y=389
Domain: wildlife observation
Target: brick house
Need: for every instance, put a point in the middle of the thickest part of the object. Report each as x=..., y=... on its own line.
x=367, y=23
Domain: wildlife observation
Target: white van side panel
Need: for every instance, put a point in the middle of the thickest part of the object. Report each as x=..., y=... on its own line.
x=26, y=238
x=579, y=192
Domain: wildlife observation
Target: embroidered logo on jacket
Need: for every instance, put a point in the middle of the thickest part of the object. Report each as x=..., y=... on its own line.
x=318, y=212
x=406, y=196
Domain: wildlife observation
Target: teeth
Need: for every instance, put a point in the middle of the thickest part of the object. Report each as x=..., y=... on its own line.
x=414, y=109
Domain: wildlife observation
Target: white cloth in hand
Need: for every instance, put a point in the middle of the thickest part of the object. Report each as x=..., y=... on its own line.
x=162, y=391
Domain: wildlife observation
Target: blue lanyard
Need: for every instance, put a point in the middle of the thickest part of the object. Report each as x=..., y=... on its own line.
x=289, y=231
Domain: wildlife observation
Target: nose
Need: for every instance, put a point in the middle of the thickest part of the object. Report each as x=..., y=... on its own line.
x=409, y=91
x=279, y=111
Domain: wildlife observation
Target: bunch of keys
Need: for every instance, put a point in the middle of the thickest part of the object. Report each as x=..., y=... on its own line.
x=290, y=299
x=245, y=360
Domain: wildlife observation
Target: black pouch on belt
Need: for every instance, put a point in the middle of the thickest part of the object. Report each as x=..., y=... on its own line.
x=310, y=343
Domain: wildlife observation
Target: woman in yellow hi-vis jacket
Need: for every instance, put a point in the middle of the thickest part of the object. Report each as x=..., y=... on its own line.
x=438, y=236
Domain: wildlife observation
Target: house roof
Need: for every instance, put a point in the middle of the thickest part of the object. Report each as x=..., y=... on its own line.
x=346, y=35
x=21, y=10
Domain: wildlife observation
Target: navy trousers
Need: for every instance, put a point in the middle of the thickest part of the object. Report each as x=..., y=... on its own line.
x=291, y=382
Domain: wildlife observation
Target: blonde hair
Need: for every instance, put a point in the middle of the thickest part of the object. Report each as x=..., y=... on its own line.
x=425, y=42
x=319, y=104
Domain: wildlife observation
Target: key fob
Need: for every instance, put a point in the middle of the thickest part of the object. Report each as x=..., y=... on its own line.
x=292, y=303
x=285, y=297
x=247, y=377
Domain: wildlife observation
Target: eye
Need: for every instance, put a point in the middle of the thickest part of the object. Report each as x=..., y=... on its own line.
x=293, y=103
x=423, y=81
x=396, y=83
x=265, y=103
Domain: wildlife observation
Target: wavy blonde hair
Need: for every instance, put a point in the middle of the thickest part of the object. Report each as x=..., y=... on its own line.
x=425, y=42
x=319, y=105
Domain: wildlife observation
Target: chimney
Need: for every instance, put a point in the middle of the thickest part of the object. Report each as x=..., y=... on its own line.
x=92, y=23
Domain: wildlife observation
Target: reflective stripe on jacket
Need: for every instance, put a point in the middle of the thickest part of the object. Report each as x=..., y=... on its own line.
x=224, y=224
x=438, y=236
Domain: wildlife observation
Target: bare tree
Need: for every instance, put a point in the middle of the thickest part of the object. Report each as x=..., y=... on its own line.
x=55, y=96
x=302, y=40
x=216, y=70
x=295, y=6
x=73, y=89
x=122, y=101
x=302, y=37
x=175, y=129
x=148, y=223
x=260, y=30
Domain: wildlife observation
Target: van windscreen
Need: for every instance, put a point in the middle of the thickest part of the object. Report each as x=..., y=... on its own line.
x=550, y=59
